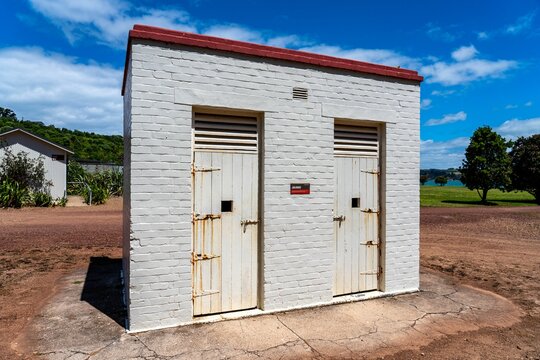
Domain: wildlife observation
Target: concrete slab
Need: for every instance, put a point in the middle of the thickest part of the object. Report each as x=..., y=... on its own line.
x=75, y=325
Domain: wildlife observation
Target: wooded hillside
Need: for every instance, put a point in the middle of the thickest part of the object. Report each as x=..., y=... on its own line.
x=86, y=145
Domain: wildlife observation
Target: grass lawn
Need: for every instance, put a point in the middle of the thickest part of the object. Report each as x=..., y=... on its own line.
x=454, y=196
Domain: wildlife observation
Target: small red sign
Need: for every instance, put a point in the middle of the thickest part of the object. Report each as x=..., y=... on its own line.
x=299, y=189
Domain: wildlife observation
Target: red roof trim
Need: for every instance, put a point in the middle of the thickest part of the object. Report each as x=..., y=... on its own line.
x=240, y=47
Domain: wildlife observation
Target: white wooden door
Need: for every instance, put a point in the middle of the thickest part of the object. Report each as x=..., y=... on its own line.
x=356, y=212
x=225, y=229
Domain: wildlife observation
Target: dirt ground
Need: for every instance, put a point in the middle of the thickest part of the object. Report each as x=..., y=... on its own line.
x=497, y=249
x=40, y=245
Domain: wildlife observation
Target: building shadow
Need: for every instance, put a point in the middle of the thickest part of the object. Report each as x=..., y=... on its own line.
x=103, y=288
x=501, y=202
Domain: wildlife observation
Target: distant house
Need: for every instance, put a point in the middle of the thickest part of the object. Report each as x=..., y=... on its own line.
x=54, y=156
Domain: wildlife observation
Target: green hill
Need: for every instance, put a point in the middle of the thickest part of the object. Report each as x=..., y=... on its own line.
x=86, y=145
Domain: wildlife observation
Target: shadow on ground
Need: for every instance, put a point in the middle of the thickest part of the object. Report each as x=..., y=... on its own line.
x=103, y=288
x=489, y=203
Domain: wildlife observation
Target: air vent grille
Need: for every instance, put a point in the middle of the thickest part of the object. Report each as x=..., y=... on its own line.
x=300, y=93
x=225, y=133
x=350, y=140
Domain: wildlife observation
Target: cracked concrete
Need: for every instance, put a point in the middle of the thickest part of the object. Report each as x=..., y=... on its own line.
x=69, y=328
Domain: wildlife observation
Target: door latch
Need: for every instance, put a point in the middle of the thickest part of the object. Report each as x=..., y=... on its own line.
x=340, y=219
x=245, y=223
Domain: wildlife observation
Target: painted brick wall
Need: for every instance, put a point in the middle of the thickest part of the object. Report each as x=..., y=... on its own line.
x=298, y=240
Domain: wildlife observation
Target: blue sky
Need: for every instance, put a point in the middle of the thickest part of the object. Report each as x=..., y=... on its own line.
x=61, y=61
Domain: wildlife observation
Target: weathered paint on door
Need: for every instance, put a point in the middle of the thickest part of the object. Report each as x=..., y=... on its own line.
x=224, y=242
x=356, y=224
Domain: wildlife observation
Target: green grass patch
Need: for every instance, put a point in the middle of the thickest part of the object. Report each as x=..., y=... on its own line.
x=457, y=196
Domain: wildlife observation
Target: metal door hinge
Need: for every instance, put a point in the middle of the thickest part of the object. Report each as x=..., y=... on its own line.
x=369, y=211
x=371, y=243
x=201, y=256
x=204, y=293
x=199, y=217
x=196, y=169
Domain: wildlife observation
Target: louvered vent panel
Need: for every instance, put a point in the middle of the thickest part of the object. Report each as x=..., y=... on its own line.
x=224, y=133
x=300, y=93
x=355, y=140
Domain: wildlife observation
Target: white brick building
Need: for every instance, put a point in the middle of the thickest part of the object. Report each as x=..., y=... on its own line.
x=260, y=179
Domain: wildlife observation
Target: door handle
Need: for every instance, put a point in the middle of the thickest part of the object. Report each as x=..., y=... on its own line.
x=245, y=223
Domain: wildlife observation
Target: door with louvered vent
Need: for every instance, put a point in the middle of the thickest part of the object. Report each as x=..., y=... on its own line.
x=356, y=208
x=225, y=213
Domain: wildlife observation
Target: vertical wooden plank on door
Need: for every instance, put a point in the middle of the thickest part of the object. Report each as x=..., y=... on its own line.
x=206, y=229
x=348, y=238
x=338, y=272
x=215, y=248
x=255, y=229
x=227, y=220
x=245, y=245
x=356, y=218
x=373, y=263
x=236, y=239
x=362, y=228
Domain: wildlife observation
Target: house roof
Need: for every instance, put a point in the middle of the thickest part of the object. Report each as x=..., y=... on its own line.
x=145, y=32
x=36, y=137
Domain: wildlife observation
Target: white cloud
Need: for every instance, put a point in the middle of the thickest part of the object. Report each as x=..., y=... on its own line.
x=425, y=103
x=511, y=106
x=235, y=32
x=521, y=24
x=442, y=154
x=464, y=53
x=436, y=32
x=482, y=35
x=448, y=119
x=443, y=93
x=379, y=56
x=58, y=90
x=241, y=33
x=511, y=129
x=528, y=103
x=466, y=68
x=105, y=20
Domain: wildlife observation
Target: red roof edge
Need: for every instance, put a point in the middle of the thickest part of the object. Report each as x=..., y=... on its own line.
x=210, y=42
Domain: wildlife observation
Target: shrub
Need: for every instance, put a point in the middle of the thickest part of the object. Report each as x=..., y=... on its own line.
x=102, y=184
x=42, y=199
x=13, y=195
x=23, y=180
x=60, y=202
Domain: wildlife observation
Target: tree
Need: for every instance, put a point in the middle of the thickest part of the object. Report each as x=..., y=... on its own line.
x=487, y=164
x=7, y=113
x=423, y=179
x=525, y=160
x=441, y=180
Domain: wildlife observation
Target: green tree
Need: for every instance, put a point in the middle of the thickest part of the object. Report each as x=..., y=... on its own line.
x=487, y=164
x=7, y=113
x=525, y=157
x=423, y=179
x=441, y=180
